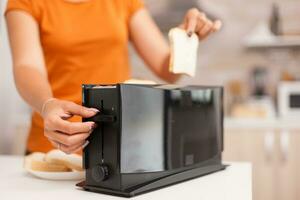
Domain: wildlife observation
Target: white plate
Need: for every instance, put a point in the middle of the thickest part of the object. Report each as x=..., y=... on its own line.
x=75, y=175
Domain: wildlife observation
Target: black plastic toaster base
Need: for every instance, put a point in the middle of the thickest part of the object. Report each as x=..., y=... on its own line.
x=160, y=183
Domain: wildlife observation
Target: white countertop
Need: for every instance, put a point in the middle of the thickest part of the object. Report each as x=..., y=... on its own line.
x=234, y=183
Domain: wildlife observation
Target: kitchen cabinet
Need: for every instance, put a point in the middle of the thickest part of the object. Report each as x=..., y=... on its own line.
x=289, y=165
x=273, y=149
x=244, y=145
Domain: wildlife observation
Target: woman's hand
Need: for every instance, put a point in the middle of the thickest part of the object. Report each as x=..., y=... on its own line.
x=152, y=46
x=197, y=22
x=64, y=135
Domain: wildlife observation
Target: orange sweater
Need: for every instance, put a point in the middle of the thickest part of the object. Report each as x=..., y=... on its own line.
x=82, y=43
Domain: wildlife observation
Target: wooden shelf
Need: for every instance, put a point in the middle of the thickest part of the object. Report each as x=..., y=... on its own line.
x=262, y=38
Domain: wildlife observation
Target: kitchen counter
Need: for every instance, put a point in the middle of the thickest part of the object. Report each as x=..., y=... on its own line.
x=234, y=183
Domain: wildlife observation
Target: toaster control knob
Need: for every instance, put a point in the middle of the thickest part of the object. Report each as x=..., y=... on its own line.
x=100, y=172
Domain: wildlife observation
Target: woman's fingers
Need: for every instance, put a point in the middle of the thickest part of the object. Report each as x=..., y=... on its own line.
x=197, y=22
x=202, y=19
x=82, y=111
x=217, y=25
x=65, y=135
x=66, y=109
x=205, y=30
x=68, y=140
x=55, y=123
x=191, y=25
x=191, y=21
x=209, y=28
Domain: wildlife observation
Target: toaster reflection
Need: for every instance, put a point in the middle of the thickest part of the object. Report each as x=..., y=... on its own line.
x=169, y=129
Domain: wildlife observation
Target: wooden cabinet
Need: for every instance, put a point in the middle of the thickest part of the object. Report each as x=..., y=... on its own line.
x=275, y=156
x=288, y=166
x=243, y=145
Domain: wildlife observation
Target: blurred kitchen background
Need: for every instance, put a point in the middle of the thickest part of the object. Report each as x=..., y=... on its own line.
x=256, y=57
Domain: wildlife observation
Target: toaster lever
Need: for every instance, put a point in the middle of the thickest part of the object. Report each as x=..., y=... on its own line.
x=101, y=118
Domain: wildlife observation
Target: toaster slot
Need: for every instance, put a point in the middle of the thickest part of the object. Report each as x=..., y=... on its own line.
x=102, y=136
x=103, y=119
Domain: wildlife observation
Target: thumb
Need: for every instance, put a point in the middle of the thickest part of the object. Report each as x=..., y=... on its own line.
x=82, y=111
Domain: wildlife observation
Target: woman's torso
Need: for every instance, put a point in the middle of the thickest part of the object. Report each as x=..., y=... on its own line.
x=83, y=43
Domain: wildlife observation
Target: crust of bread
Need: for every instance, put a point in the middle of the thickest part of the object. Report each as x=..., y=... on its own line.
x=65, y=163
x=140, y=81
x=36, y=162
x=48, y=167
x=72, y=161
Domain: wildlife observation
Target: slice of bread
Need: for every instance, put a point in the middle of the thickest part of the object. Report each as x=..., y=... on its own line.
x=184, y=48
x=72, y=161
x=140, y=81
x=36, y=161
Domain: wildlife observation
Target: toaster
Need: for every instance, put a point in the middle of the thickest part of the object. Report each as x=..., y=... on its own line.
x=151, y=136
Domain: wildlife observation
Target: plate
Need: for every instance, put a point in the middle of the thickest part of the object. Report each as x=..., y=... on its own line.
x=75, y=175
